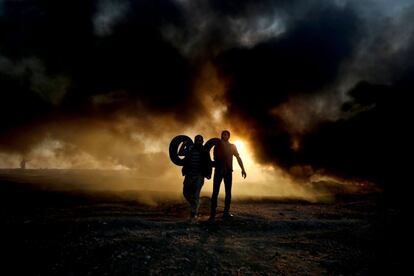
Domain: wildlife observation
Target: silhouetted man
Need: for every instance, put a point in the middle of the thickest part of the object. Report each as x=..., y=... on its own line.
x=23, y=163
x=196, y=167
x=223, y=158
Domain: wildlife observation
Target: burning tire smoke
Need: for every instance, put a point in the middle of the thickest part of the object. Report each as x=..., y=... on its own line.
x=316, y=88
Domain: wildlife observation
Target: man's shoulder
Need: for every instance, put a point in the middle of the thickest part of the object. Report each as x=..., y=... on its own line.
x=188, y=148
x=194, y=148
x=234, y=149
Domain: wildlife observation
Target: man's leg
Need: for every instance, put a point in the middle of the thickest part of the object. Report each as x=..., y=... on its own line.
x=188, y=191
x=228, y=177
x=216, y=189
x=186, y=188
x=199, y=184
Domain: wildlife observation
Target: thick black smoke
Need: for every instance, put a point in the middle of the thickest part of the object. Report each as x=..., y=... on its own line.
x=313, y=56
x=55, y=64
x=301, y=61
x=94, y=61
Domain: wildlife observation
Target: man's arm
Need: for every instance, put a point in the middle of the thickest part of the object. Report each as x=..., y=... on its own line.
x=240, y=161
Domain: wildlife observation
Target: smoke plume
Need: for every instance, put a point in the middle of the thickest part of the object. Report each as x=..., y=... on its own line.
x=311, y=87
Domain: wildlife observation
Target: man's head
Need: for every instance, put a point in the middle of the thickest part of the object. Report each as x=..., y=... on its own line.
x=198, y=140
x=225, y=135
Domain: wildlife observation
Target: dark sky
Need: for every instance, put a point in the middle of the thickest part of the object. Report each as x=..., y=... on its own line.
x=324, y=84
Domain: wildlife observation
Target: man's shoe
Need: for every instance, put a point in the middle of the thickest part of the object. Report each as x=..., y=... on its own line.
x=212, y=217
x=227, y=215
x=193, y=218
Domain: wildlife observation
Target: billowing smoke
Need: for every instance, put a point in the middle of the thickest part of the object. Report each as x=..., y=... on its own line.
x=312, y=87
x=329, y=92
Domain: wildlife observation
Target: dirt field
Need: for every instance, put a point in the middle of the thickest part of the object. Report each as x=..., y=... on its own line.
x=51, y=232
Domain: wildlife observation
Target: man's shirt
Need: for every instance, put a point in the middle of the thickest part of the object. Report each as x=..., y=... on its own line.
x=193, y=155
x=223, y=156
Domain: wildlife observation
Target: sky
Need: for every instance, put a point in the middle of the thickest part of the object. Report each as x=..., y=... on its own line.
x=309, y=87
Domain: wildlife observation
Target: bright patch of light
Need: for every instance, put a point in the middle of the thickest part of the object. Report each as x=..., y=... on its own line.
x=240, y=145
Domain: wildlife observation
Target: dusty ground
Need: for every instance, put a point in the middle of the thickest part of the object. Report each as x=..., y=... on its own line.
x=109, y=233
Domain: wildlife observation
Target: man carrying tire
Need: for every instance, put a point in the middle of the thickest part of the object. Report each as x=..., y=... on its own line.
x=223, y=159
x=197, y=165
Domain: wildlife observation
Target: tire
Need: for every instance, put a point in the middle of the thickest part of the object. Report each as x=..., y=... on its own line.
x=173, y=150
x=210, y=144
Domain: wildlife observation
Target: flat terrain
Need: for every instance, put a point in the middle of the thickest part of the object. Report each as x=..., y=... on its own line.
x=80, y=232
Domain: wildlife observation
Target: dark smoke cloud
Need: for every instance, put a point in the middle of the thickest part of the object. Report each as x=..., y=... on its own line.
x=318, y=84
x=301, y=61
x=326, y=50
x=56, y=62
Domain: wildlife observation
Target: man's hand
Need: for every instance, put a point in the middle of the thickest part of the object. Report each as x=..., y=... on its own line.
x=244, y=174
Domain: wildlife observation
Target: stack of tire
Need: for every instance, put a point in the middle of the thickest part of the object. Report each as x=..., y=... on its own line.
x=176, y=142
